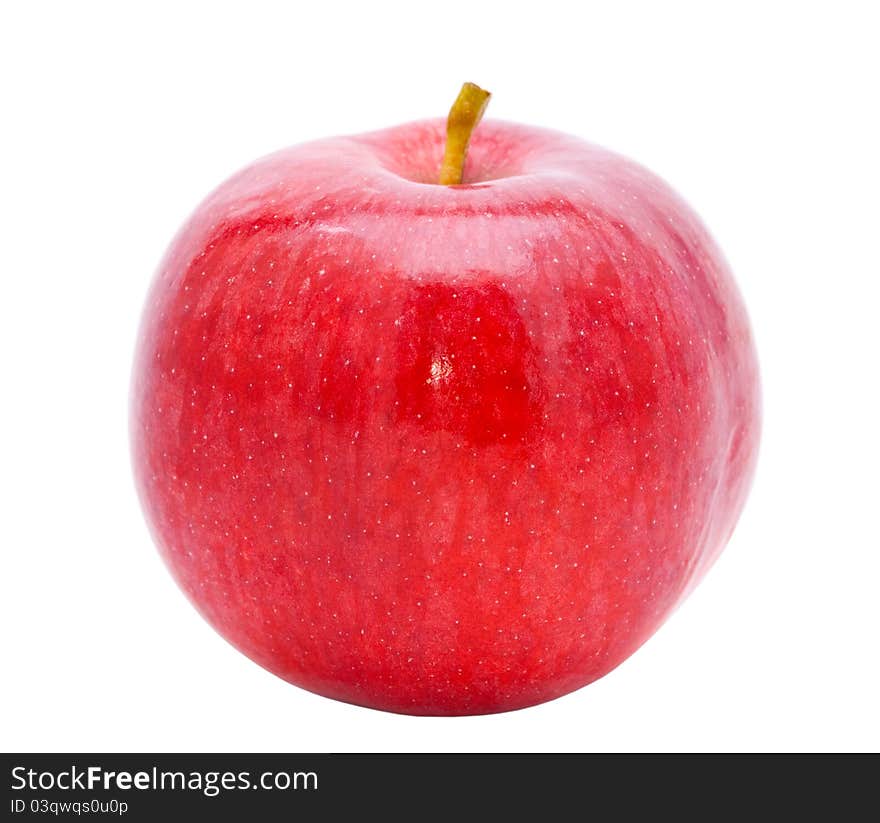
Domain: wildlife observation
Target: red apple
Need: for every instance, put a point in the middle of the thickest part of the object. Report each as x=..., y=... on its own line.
x=443, y=449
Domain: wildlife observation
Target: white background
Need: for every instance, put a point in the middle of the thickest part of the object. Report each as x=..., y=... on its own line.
x=119, y=118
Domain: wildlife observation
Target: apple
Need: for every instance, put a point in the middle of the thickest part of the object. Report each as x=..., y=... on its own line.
x=443, y=447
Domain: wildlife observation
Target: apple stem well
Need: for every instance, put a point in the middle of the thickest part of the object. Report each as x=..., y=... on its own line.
x=465, y=114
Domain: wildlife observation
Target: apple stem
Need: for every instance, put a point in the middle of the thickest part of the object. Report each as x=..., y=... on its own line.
x=465, y=114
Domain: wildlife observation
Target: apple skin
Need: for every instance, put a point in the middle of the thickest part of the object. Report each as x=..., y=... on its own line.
x=443, y=450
